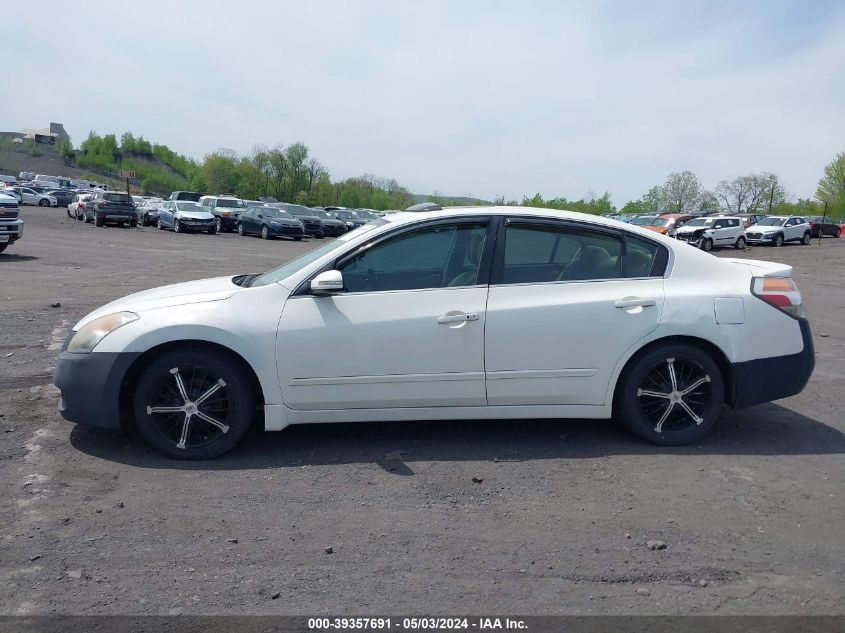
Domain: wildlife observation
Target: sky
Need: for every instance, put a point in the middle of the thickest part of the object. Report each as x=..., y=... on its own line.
x=469, y=97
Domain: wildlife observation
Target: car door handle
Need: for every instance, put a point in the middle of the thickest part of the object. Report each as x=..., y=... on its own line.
x=631, y=303
x=457, y=318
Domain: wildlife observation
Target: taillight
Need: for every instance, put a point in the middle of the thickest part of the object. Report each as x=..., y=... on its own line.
x=812, y=225
x=780, y=292
x=80, y=205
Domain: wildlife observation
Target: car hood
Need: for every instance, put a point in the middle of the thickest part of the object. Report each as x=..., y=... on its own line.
x=332, y=222
x=200, y=291
x=194, y=215
x=659, y=229
x=757, y=228
x=310, y=218
x=693, y=229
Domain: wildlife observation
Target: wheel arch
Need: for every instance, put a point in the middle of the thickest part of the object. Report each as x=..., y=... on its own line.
x=132, y=374
x=711, y=349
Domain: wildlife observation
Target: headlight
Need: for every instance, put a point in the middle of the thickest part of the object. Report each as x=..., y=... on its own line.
x=90, y=334
x=350, y=224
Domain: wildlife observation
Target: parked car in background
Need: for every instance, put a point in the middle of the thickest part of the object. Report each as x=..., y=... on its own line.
x=30, y=196
x=332, y=227
x=351, y=219
x=185, y=216
x=749, y=219
x=225, y=209
x=11, y=225
x=775, y=230
x=643, y=219
x=713, y=232
x=148, y=211
x=270, y=222
x=111, y=207
x=63, y=196
x=26, y=175
x=8, y=180
x=191, y=196
x=14, y=193
x=310, y=220
x=669, y=223
x=446, y=327
x=820, y=226
x=76, y=208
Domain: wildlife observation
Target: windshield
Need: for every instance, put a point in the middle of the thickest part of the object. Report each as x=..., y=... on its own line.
x=322, y=214
x=117, y=197
x=663, y=222
x=230, y=203
x=347, y=215
x=771, y=221
x=642, y=221
x=189, y=206
x=270, y=212
x=296, y=209
x=700, y=222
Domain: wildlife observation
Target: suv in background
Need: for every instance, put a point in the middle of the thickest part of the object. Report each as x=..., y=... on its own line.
x=310, y=220
x=225, y=209
x=191, y=196
x=713, y=231
x=11, y=225
x=776, y=230
x=111, y=207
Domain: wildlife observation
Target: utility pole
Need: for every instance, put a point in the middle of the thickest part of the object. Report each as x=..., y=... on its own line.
x=771, y=197
x=824, y=219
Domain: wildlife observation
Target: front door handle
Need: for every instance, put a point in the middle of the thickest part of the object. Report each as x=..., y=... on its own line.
x=457, y=318
x=632, y=303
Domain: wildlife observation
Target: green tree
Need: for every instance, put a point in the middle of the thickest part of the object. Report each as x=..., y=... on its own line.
x=831, y=189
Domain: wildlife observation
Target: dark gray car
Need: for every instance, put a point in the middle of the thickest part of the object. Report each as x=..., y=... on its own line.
x=312, y=222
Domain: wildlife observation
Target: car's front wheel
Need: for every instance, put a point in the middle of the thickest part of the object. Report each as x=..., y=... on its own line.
x=241, y=229
x=193, y=404
x=707, y=244
x=671, y=395
x=265, y=234
x=43, y=202
x=778, y=240
x=219, y=224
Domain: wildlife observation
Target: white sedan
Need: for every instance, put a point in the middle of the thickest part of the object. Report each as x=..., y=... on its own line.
x=487, y=313
x=30, y=196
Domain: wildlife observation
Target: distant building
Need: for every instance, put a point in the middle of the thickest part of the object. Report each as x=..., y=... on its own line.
x=52, y=135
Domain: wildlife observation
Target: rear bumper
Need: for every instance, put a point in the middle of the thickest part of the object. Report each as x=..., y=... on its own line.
x=90, y=386
x=767, y=379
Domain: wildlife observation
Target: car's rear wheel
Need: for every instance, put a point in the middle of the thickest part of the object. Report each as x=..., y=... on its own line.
x=740, y=243
x=707, y=244
x=836, y=232
x=670, y=395
x=177, y=226
x=3, y=247
x=805, y=240
x=193, y=404
x=778, y=240
x=100, y=221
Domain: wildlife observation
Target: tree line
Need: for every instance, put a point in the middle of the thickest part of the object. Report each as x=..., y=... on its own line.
x=292, y=174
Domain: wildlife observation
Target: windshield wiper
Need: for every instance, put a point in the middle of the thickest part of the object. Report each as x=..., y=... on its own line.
x=245, y=281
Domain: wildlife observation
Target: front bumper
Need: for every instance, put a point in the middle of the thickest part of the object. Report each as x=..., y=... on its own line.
x=759, y=238
x=11, y=230
x=286, y=231
x=228, y=222
x=767, y=379
x=90, y=386
x=334, y=230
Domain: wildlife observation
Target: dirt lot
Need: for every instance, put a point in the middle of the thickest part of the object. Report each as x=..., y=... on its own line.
x=95, y=523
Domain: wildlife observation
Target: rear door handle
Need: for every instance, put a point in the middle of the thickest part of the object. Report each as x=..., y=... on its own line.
x=458, y=318
x=631, y=303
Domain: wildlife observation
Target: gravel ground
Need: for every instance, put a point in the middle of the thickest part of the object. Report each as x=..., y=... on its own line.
x=93, y=522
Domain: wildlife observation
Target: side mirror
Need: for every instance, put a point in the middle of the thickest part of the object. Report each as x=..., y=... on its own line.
x=327, y=282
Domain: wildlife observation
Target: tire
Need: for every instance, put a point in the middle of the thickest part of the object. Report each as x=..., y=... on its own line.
x=99, y=221
x=320, y=236
x=241, y=229
x=177, y=226
x=133, y=224
x=298, y=238
x=43, y=202
x=218, y=223
x=159, y=224
x=740, y=243
x=778, y=240
x=212, y=230
x=707, y=244
x=836, y=232
x=3, y=247
x=670, y=424
x=87, y=219
x=265, y=234
x=805, y=240
x=230, y=402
